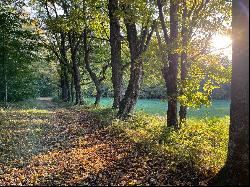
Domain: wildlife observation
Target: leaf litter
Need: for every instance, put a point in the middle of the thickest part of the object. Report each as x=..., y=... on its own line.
x=66, y=146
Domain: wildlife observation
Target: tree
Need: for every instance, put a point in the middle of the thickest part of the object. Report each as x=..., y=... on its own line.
x=97, y=80
x=138, y=45
x=236, y=169
x=55, y=39
x=170, y=69
x=18, y=49
x=238, y=152
x=115, y=43
x=62, y=23
x=195, y=23
x=200, y=19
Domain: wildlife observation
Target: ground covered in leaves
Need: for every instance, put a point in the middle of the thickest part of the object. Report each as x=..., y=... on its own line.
x=53, y=145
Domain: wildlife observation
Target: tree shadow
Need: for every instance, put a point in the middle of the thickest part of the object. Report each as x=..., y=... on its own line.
x=76, y=149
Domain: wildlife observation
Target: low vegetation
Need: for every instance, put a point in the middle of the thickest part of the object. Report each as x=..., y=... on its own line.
x=200, y=143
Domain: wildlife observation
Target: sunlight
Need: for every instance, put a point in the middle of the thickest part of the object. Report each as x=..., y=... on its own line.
x=222, y=44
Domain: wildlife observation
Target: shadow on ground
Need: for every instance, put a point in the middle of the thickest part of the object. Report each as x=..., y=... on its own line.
x=65, y=146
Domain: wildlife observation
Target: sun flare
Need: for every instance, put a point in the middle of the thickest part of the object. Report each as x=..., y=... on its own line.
x=222, y=44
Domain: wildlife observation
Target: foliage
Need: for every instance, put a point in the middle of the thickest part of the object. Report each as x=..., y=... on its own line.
x=199, y=144
x=205, y=75
x=18, y=55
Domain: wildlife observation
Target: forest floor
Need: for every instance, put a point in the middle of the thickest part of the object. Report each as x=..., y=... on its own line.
x=54, y=145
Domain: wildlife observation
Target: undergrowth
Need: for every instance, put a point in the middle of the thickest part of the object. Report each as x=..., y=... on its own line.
x=200, y=143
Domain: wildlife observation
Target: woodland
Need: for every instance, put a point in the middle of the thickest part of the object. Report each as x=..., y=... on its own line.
x=124, y=92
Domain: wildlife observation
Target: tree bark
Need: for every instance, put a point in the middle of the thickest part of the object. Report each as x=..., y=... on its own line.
x=115, y=43
x=132, y=93
x=170, y=69
x=72, y=89
x=172, y=117
x=128, y=103
x=184, y=33
x=76, y=71
x=64, y=70
x=98, y=95
x=236, y=169
x=5, y=80
x=65, y=90
x=5, y=71
x=238, y=150
x=93, y=76
x=137, y=46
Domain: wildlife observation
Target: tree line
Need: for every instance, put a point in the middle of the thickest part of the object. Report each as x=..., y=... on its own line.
x=129, y=42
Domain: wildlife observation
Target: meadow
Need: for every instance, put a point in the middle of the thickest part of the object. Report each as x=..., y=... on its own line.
x=218, y=108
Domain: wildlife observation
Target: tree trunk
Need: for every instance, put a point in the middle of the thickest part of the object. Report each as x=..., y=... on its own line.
x=132, y=93
x=184, y=33
x=64, y=84
x=115, y=43
x=129, y=101
x=238, y=152
x=5, y=80
x=76, y=75
x=64, y=70
x=171, y=83
x=72, y=89
x=170, y=69
x=172, y=117
x=236, y=169
x=98, y=95
x=92, y=74
x=137, y=46
x=76, y=71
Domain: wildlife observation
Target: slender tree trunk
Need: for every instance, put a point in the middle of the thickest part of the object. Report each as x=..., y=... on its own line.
x=170, y=69
x=98, y=95
x=92, y=74
x=5, y=79
x=76, y=75
x=184, y=33
x=64, y=70
x=72, y=89
x=115, y=43
x=76, y=71
x=132, y=93
x=236, y=169
x=67, y=86
x=172, y=117
x=64, y=84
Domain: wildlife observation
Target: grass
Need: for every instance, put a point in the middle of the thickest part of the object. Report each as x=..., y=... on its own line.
x=219, y=108
x=27, y=104
x=22, y=126
x=200, y=143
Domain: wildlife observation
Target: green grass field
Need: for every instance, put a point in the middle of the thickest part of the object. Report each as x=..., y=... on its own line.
x=219, y=108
